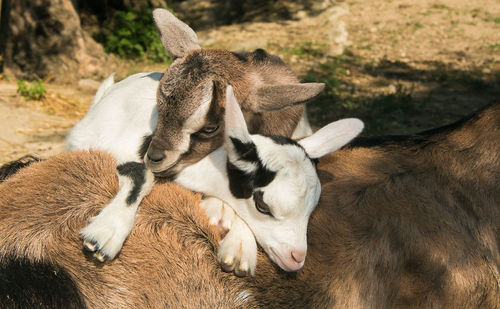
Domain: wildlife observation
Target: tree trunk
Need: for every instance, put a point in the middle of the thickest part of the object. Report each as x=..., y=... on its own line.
x=4, y=22
x=45, y=37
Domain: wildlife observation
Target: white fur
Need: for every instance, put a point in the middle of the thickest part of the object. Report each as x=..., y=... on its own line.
x=334, y=136
x=196, y=121
x=218, y=212
x=119, y=117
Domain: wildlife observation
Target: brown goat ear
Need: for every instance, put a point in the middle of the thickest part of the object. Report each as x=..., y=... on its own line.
x=177, y=37
x=276, y=97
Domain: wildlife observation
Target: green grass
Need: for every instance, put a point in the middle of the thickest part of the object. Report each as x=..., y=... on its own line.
x=440, y=6
x=494, y=47
x=417, y=26
x=35, y=91
x=495, y=19
x=472, y=79
x=475, y=11
x=132, y=35
x=304, y=50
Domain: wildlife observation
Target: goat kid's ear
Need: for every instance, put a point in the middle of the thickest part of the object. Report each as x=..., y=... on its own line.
x=235, y=125
x=177, y=37
x=240, y=149
x=275, y=97
x=332, y=137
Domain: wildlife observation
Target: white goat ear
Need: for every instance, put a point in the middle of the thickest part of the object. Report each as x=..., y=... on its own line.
x=240, y=149
x=276, y=97
x=177, y=37
x=332, y=137
x=236, y=126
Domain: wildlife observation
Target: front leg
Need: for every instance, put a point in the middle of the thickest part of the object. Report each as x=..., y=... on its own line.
x=238, y=249
x=107, y=232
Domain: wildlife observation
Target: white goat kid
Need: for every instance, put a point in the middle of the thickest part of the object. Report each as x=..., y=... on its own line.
x=272, y=185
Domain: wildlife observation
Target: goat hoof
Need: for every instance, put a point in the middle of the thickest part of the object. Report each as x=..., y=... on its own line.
x=90, y=245
x=241, y=271
x=228, y=264
x=100, y=257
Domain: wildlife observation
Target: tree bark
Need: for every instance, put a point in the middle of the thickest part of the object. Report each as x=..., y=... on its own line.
x=4, y=22
x=45, y=37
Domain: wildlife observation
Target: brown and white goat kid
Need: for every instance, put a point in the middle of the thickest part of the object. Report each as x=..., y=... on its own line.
x=174, y=120
x=402, y=222
x=271, y=183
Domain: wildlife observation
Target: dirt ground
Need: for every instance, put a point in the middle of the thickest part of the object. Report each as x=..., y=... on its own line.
x=443, y=56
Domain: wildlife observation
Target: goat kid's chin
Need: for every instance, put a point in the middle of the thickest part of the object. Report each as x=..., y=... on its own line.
x=170, y=173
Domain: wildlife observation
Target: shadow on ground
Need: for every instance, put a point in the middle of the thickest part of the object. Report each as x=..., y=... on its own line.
x=408, y=98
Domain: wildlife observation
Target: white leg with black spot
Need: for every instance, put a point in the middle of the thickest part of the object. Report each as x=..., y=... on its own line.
x=107, y=231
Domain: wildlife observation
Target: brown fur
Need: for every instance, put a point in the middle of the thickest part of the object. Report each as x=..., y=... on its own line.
x=402, y=223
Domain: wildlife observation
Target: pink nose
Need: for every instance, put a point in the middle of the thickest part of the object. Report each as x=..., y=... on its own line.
x=298, y=256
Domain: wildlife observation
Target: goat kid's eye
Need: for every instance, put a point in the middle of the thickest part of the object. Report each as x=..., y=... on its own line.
x=208, y=131
x=260, y=205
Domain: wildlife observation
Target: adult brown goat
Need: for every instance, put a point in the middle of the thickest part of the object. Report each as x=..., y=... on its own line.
x=406, y=222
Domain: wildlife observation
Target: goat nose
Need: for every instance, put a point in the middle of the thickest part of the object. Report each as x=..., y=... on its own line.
x=298, y=256
x=155, y=155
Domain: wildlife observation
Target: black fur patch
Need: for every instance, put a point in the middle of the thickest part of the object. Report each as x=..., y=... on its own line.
x=25, y=284
x=240, y=183
x=260, y=55
x=246, y=151
x=146, y=140
x=12, y=167
x=281, y=140
x=136, y=172
x=263, y=176
x=378, y=140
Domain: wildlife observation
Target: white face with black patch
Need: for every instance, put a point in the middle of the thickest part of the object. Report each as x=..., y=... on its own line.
x=275, y=181
x=281, y=188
